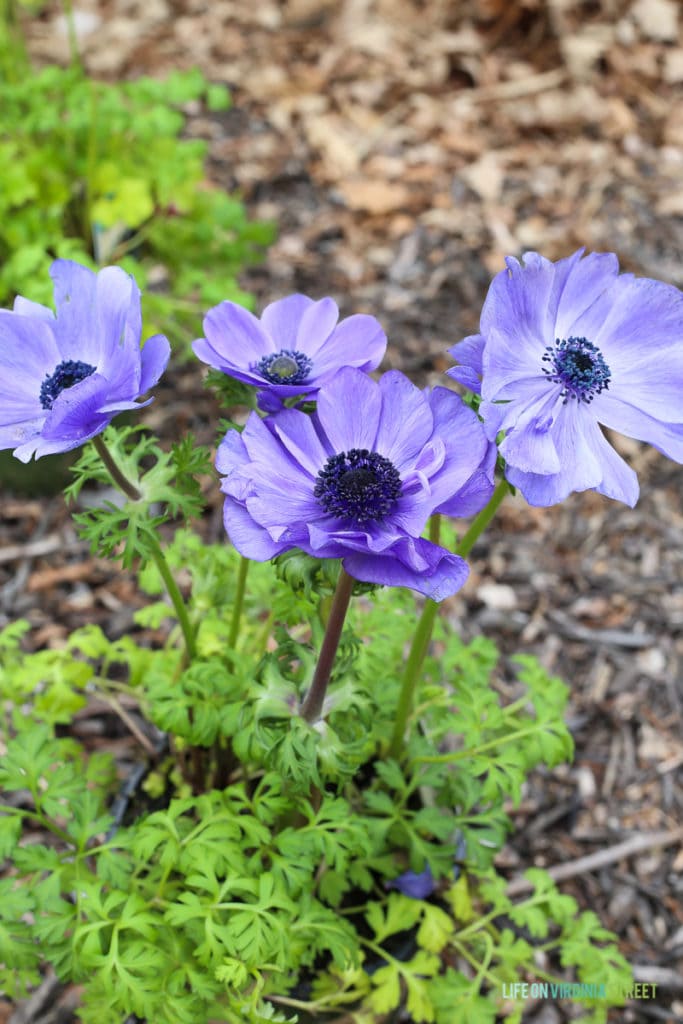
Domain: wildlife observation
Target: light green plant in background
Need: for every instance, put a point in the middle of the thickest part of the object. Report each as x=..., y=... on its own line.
x=100, y=173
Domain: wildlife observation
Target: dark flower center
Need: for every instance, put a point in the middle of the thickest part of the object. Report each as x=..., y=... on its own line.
x=359, y=485
x=285, y=367
x=68, y=373
x=579, y=367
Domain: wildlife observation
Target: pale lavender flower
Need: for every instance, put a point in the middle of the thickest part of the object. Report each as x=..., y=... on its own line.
x=358, y=480
x=64, y=377
x=564, y=350
x=293, y=349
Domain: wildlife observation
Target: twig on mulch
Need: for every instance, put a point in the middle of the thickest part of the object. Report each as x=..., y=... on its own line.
x=131, y=724
x=662, y=977
x=601, y=858
x=37, y=548
x=41, y=1001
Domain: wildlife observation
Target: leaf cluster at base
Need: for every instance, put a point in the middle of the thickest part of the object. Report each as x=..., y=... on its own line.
x=264, y=889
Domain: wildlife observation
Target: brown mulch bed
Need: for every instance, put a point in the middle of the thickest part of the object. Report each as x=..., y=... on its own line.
x=404, y=148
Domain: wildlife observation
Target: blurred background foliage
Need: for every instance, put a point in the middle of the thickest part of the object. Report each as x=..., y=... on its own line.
x=100, y=172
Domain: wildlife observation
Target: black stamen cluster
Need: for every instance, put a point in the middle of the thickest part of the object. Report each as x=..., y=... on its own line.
x=578, y=365
x=68, y=373
x=359, y=485
x=285, y=367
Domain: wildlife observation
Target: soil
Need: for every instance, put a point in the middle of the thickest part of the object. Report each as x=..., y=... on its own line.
x=404, y=148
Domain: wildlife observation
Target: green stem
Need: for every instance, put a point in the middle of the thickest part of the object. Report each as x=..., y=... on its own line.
x=174, y=593
x=239, y=601
x=133, y=242
x=134, y=494
x=324, y=1004
x=90, y=164
x=482, y=520
x=74, y=52
x=261, y=644
x=425, y=625
x=417, y=654
x=463, y=755
x=121, y=481
x=379, y=950
x=313, y=703
x=480, y=966
x=44, y=822
x=13, y=51
x=411, y=672
x=482, y=922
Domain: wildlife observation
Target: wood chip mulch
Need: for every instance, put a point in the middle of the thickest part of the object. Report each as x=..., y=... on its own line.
x=404, y=147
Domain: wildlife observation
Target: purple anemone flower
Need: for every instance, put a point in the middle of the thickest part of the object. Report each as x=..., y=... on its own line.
x=64, y=377
x=567, y=348
x=416, y=884
x=294, y=349
x=358, y=480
